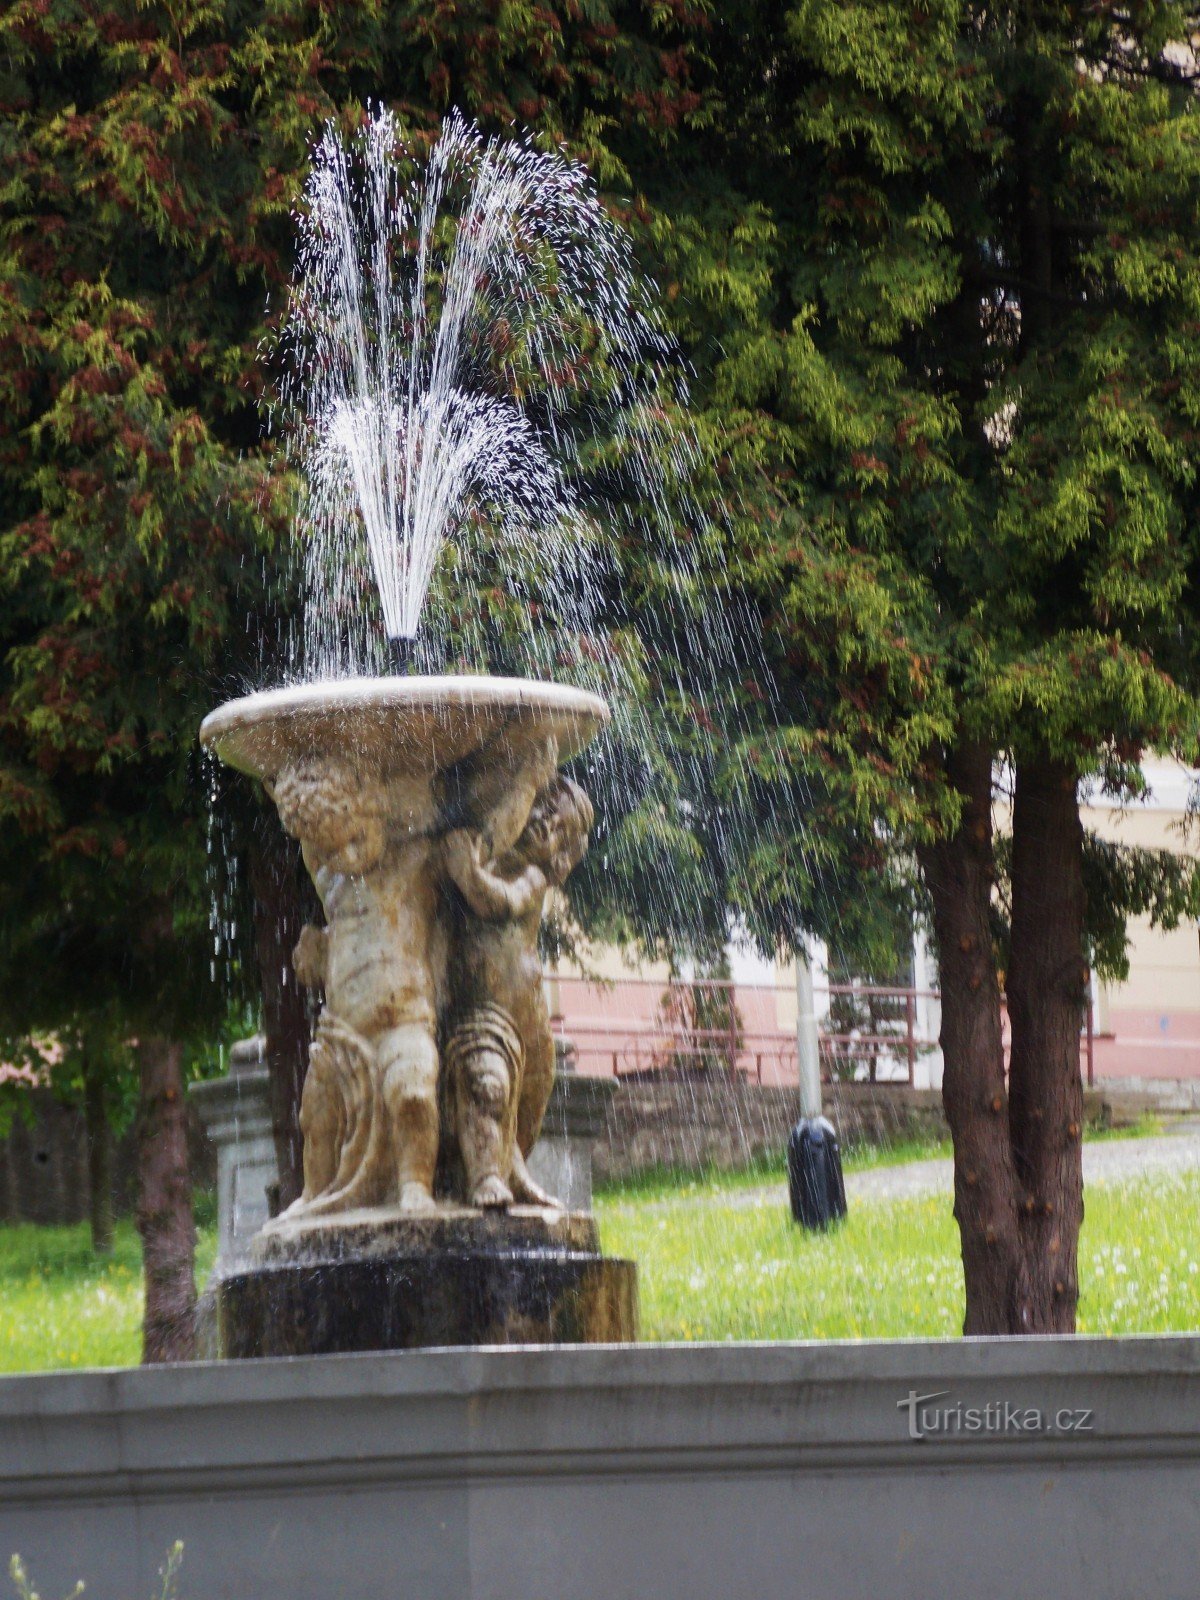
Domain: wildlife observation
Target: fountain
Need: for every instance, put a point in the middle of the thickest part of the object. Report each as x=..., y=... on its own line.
x=431, y=810
x=434, y=821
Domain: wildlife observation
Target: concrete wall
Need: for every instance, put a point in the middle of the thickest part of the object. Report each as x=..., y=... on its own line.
x=772, y=1470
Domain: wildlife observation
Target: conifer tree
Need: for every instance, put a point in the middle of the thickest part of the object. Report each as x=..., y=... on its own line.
x=941, y=265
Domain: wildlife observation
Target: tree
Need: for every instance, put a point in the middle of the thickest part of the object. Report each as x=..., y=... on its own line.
x=133, y=213
x=950, y=252
x=151, y=156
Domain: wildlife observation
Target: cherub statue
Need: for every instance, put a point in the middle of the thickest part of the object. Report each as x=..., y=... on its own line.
x=369, y=1110
x=499, y=1053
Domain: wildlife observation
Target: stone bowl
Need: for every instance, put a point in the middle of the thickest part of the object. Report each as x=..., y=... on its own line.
x=410, y=725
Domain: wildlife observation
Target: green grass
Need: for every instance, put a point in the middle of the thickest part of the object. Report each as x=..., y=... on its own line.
x=724, y=1269
x=61, y=1306
x=718, y=1258
x=686, y=1182
x=1146, y=1126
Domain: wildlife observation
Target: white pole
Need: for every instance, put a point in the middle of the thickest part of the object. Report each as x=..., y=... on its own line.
x=808, y=1052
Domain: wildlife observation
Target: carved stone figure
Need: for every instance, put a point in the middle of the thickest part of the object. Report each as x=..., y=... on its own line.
x=369, y=1109
x=434, y=824
x=499, y=1057
x=430, y=814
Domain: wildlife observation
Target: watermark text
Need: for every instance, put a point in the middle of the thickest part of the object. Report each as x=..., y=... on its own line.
x=929, y=1418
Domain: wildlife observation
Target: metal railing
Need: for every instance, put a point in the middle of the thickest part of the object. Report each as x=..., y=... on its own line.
x=641, y=1026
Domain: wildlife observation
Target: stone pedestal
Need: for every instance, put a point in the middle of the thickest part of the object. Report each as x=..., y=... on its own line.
x=236, y=1113
x=577, y=1115
x=380, y=1281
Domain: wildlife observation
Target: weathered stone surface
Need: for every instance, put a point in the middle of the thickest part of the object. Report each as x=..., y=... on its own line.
x=397, y=724
x=695, y=1121
x=450, y=1229
x=434, y=824
x=236, y=1113
x=380, y=1281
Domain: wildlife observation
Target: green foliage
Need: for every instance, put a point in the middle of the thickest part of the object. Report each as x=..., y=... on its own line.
x=1120, y=881
x=151, y=156
x=935, y=268
x=138, y=238
x=938, y=267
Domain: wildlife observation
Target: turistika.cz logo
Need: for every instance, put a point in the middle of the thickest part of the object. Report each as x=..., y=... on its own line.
x=927, y=1420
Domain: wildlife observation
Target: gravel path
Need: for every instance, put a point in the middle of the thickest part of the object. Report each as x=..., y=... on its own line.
x=1104, y=1161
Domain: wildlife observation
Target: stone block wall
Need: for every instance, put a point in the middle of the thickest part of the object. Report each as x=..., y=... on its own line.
x=43, y=1164
x=706, y=1120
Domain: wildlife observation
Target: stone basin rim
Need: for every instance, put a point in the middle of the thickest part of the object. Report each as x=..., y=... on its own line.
x=334, y=705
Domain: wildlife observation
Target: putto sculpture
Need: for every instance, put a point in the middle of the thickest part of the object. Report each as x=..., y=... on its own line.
x=499, y=1047
x=369, y=1111
x=435, y=823
x=434, y=1037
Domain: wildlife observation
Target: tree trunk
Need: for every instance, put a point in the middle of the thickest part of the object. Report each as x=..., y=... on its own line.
x=283, y=902
x=164, y=1213
x=959, y=874
x=1047, y=988
x=99, y=1151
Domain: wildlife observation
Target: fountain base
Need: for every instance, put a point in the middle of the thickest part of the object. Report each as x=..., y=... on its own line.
x=383, y=1280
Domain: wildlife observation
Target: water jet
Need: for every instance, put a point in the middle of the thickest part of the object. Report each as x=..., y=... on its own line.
x=466, y=333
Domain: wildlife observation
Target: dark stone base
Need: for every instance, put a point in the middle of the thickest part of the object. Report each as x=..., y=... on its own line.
x=374, y=1281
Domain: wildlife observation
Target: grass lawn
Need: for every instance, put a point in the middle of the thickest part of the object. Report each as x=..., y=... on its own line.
x=716, y=1261
x=676, y=1183
x=735, y=1267
x=60, y=1306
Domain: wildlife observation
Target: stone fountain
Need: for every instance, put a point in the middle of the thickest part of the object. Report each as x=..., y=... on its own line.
x=435, y=823
x=471, y=369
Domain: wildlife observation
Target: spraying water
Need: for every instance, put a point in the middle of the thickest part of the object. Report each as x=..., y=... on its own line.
x=478, y=388
x=499, y=473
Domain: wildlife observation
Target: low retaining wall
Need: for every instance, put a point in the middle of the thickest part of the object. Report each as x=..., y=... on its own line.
x=701, y=1121
x=708, y=1120
x=617, y=1473
x=44, y=1163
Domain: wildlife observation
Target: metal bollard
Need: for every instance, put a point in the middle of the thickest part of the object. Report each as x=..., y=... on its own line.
x=816, y=1188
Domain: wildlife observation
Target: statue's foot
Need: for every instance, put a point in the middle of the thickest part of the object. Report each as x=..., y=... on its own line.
x=491, y=1194
x=416, y=1200
x=528, y=1191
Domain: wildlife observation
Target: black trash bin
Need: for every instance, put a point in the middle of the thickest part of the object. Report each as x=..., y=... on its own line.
x=816, y=1187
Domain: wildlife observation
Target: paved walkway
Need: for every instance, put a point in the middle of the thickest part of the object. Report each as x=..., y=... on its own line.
x=1104, y=1161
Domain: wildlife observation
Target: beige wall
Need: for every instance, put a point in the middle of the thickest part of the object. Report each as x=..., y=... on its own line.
x=1154, y=1015
x=1164, y=967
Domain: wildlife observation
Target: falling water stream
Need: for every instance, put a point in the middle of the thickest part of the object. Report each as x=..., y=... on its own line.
x=489, y=426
